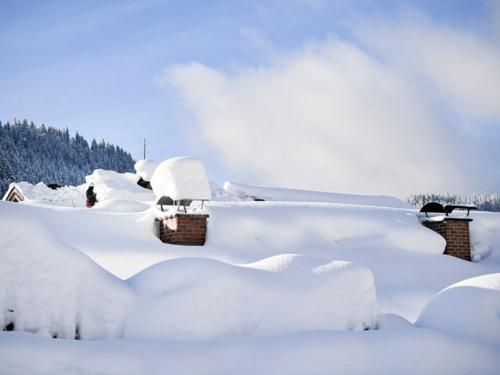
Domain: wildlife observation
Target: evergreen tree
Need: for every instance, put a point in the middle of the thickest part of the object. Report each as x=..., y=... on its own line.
x=49, y=155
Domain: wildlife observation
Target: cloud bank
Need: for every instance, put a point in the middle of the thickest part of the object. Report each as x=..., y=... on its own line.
x=405, y=106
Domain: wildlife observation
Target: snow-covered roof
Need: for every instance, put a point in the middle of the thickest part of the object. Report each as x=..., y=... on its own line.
x=295, y=195
x=71, y=196
x=181, y=178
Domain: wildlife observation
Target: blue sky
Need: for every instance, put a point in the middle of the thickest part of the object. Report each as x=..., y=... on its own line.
x=323, y=95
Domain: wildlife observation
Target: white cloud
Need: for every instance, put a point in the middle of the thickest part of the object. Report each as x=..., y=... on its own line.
x=333, y=117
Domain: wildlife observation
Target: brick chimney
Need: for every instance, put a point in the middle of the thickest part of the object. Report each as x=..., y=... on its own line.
x=183, y=229
x=456, y=233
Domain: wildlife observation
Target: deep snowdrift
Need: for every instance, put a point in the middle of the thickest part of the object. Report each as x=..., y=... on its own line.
x=195, y=298
x=49, y=288
x=470, y=308
x=248, y=250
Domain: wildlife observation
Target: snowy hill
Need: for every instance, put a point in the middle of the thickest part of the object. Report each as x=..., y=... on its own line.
x=293, y=287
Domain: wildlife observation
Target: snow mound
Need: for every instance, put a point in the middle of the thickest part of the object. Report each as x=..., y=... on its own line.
x=69, y=196
x=113, y=185
x=145, y=168
x=293, y=195
x=292, y=225
x=49, y=288
x=120, y=205
x=470, y=308
x=202, y=299
x=181, y=178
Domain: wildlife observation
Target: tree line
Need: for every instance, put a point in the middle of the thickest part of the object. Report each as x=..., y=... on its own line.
x=49, y=155
x=484, y=202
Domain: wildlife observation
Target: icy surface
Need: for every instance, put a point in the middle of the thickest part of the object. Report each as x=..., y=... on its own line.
x=181, y=178
x=113, y=185
x=470, y=308
x=293, y=195
x=196, y=298
x=145, y=168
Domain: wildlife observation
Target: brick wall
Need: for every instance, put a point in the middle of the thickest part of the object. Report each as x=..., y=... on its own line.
x=456, y=233
x=184, y=229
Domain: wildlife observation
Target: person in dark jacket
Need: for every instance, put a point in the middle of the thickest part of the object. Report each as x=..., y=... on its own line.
x=91, y=196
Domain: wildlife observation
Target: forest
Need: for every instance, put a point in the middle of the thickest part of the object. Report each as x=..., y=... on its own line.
x=45, y=154
x=484, y=202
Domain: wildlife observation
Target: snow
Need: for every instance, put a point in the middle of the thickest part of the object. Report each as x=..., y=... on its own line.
x=279, y=287
x=208, y=299
x=294, y=195
x=69, y=196
x=274, y=225
x=145, y=168
x=49, y=288
x=181, y=178
x=113, y=185
x=469, y=308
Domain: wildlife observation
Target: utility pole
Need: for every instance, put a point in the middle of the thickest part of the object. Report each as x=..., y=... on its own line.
x=144, y=148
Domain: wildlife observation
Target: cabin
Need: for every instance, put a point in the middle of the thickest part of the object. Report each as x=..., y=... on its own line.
x=14, y=194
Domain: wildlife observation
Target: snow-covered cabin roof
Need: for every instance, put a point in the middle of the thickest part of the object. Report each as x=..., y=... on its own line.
x=71, y=196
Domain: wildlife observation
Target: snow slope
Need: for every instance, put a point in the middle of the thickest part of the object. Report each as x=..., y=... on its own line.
x=280, y=287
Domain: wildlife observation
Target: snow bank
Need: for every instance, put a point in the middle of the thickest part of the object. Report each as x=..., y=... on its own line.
x=181, y=178
x=485, y=235
x=293, y=195
x=201, y=299
x=69, y=196
x=308, y=225
x=51, y=289
x=145, y=168
x=470, y=308
x=113, y=185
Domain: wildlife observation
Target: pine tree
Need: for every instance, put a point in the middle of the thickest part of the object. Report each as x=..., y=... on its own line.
x=49, y=155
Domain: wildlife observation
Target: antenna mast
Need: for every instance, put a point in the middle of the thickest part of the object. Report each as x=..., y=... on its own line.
x=144, y=148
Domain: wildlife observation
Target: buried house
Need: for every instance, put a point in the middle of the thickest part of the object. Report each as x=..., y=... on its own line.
x=71, y=196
